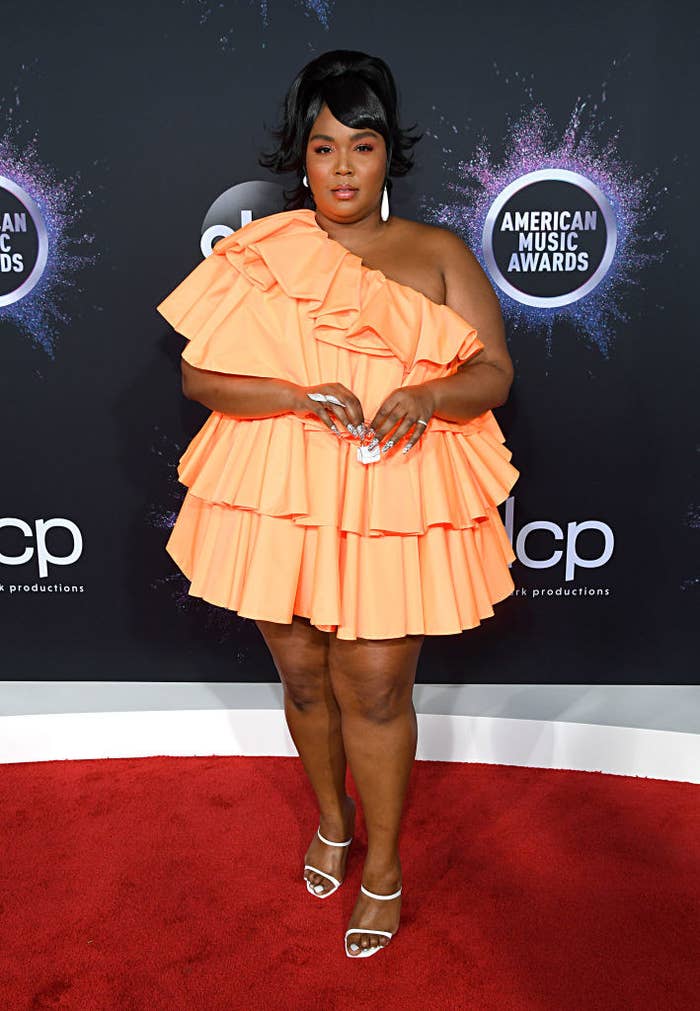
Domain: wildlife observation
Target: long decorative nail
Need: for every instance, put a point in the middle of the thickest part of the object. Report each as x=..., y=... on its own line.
x=387, y=446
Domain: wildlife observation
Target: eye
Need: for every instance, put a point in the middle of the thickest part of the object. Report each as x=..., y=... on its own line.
x=324, y=147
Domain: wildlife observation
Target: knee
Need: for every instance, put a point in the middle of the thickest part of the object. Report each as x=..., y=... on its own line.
x=304, y=689
x=379, y=704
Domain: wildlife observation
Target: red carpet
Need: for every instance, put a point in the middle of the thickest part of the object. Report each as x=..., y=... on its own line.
x=174, y=884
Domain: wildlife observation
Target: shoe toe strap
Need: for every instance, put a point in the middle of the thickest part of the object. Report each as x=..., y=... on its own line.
x=366, y=930
x=324, y=874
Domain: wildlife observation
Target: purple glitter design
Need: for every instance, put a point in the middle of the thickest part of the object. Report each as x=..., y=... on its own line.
x=692, y=517
x=531, y=144
x=61, y=203
x=219, y=15
x=692, y=522
x=219, y=623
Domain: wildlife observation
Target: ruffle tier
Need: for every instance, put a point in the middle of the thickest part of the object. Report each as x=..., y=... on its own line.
x=286, y=467
x=268, y=568
x=278, y=296
x=280, y=517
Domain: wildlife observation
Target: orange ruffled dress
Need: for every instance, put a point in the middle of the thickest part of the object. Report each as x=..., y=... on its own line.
x=280, y=517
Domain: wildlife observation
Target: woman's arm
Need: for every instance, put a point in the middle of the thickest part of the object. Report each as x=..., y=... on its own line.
x=485, y=380
x=240, y=396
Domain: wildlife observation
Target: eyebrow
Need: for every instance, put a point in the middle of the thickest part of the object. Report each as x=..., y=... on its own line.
x=354, y=136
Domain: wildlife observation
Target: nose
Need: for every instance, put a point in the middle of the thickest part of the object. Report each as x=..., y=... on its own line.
x=343, y=166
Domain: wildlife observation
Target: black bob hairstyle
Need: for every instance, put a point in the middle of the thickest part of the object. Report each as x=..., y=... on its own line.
x=360, y=92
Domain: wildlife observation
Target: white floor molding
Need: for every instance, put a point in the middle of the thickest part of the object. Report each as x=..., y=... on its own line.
x=618, y=750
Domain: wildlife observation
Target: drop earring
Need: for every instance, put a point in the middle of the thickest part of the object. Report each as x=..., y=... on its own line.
x=385, y=205
x=304, y=182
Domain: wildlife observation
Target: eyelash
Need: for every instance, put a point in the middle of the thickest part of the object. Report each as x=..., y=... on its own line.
x=324, y=147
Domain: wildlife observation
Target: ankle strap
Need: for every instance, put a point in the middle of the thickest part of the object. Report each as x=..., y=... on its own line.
x=328, y=841
x=373, y=895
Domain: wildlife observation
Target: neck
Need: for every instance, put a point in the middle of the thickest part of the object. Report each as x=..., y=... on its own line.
x=356, y=233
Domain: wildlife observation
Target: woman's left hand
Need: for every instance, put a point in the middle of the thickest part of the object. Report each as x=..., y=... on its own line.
x=404, y=407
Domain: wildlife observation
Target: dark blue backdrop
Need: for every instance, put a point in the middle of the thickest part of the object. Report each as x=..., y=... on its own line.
x=151, y=111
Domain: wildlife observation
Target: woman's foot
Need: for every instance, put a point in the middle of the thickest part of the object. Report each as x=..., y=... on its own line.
x=375, y=914
x=331, y=859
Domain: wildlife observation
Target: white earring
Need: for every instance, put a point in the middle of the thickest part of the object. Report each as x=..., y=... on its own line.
x=304, y=182
x=385, y=205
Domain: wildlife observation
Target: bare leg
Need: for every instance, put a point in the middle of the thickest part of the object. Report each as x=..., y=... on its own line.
x=373, y=684
x=300, y=654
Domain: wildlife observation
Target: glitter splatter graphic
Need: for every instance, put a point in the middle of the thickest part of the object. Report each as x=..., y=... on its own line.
x=531, y=144
x=219, y=623
x=692, y=518
x=322, y=9
x=220, y=17
x=691, y=521
x=41, y=315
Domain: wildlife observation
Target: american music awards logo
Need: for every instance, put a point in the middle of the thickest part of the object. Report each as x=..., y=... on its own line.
x=562, y=225
x=43, y=245
x=24, y=244
x=549, y=238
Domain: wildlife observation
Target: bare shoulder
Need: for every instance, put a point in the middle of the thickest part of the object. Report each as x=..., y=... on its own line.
x=429, y=236
x=470, y=293
x=441, y=245
x=465, y=278
x=454, y=253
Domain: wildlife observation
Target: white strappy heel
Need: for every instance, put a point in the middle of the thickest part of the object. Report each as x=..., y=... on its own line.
x=364, y=930
x=307, y=867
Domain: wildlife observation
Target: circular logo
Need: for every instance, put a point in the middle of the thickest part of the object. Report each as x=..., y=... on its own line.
x=24, y=244
x=237, y=206
x=549, y=238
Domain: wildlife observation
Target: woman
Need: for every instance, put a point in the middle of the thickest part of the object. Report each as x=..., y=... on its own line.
x=346, y=548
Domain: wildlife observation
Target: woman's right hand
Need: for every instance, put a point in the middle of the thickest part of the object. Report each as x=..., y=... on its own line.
x=348, y=410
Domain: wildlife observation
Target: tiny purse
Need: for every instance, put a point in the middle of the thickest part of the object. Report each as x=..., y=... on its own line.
x=364, y=453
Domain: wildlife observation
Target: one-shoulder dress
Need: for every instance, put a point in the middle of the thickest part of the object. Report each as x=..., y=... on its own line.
x=280, y=516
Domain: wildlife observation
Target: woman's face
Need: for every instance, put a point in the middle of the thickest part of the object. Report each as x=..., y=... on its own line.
x=343, y=156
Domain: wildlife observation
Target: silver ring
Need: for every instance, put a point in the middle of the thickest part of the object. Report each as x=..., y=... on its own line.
x=322, y=398
x=421, y=422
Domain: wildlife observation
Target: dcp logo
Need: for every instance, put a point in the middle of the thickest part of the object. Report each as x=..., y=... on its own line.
x=37, y=534
x=565, y=543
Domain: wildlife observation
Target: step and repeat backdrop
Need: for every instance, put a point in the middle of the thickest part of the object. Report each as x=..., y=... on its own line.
x=561, y=150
